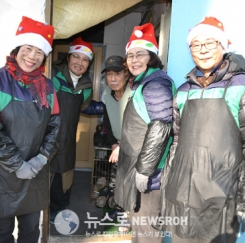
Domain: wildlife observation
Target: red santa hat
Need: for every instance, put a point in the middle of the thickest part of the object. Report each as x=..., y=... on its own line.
x=212, y=27
x=34, y=33
x=86, y=48
x=143, y=36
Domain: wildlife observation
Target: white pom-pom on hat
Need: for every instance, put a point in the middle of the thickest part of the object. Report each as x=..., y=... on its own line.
x=143, y=36
x=138, y=33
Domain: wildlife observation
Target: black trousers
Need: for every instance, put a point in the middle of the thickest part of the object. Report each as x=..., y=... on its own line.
x=28, y=225
x=58, y=199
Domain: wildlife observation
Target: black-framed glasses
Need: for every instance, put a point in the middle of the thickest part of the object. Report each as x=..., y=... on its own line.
x=209, y=45
x=77, y=57
x=138, y=56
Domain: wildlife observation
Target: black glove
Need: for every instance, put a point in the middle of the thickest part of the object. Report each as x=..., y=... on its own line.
x=38, y=162
x=241, y=220
x=26, y=171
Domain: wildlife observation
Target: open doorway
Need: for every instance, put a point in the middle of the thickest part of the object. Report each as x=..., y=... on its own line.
x=82, y=183
x=87, y=124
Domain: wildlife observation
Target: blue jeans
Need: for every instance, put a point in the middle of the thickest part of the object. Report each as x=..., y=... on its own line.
x=28, y=226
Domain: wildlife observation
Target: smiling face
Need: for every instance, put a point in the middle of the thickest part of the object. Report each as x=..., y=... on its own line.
x=137, y=59
x=78, y=63
x=29, y=58
x=206, y=59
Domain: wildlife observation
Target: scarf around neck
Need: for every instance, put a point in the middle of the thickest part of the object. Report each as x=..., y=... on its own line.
x=35, y=79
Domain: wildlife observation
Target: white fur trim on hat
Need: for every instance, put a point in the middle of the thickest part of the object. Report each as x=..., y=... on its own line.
x=33, y=40
x=82, y=49
x=142, y=44
x=209, y=30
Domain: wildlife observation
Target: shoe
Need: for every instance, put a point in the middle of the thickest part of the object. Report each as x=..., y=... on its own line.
x=112, y=185
x=113, y=179
x=114, y=169
x=113, y=215
x=53, y=215
x=101, y=183
x=94, y=195
x=101, y=201
x=102, y=197
x=111, y=202
x=113, y=175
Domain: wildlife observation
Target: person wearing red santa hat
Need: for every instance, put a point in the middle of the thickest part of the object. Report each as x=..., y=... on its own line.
x=74, y=92
x=145, y=136
x=204, y=180
x=29, y=126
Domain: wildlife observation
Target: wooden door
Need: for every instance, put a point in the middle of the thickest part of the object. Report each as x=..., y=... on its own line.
x=87, y=124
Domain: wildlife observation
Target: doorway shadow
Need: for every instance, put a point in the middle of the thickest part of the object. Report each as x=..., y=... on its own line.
x=82, y=204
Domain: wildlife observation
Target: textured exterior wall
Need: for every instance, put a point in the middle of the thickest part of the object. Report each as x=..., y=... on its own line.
x=11, y=12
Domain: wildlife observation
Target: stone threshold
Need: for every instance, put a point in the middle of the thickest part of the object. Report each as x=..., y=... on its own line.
x=91, y=239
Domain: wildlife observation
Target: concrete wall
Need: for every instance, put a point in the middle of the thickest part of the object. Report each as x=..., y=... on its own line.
x=11, y=12
x=117, y=32
x=118, y=29
x=116, y=35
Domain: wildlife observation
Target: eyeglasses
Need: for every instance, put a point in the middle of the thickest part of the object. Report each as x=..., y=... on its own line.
x=77, y=57
x=138, y=56
x=209, y=45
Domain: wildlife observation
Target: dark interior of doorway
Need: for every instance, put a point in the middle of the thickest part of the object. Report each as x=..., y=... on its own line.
x=81, y=203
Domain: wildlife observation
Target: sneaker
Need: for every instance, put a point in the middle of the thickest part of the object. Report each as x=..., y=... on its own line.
x=113, y=179
x=101, y=182
x=113, y=215
x=112, y=185
x=113, y=175
x=102, y=197
x=111, y=202
x=101, y=201
x=53, y=215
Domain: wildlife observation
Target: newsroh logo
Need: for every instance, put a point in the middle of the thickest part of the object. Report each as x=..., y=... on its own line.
x=143, y=220
x=66, y=222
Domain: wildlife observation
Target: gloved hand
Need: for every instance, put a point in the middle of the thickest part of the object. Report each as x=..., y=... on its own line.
x=141, y=182
x=241, y=220
x=38, y=162
x=26, y=171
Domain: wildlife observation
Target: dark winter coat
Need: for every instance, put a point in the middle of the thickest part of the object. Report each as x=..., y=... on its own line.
x=204, y=177
x=145, y=134
x=70, y=101
x=25, y=131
